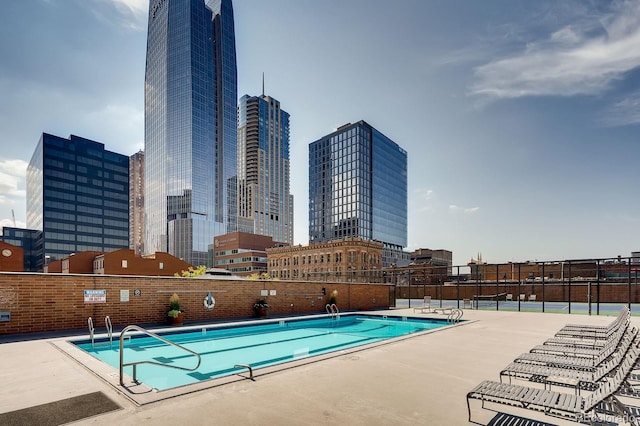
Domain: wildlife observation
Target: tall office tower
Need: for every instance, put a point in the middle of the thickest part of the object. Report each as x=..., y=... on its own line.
x=190, y=127
x=136, y=202
x=358, y=188
x=78, y=196
x=265, y=204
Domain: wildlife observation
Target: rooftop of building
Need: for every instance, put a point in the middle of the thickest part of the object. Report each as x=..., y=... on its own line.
x=421, y=380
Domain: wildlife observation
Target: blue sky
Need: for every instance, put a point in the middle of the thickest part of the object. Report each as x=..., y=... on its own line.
x=521, y=118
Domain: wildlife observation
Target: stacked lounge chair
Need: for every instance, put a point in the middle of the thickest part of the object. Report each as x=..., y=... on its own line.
x=604, y=369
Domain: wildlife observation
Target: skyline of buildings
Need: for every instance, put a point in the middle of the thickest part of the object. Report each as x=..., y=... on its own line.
x=77, y=196
x=190, y=127
x=265, y=203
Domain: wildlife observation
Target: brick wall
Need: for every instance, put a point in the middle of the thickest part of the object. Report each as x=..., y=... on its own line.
x=46, y=302
x=11, y=257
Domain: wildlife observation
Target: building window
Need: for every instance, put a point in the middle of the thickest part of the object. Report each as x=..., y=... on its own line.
x=161, y=265
x=124, y=264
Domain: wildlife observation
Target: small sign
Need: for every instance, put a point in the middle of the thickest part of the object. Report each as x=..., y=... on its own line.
x=95, y=296
x=124, y=295
x=264, y=292
x=137, y=293
x=272, y=292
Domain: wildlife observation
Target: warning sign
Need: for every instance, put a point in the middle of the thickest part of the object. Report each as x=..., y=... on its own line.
x=95, y=296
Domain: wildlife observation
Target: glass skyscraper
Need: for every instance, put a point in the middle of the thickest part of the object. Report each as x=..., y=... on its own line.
x=358, y=188
x=190, y=127
x=265, y=204
x=78, y=196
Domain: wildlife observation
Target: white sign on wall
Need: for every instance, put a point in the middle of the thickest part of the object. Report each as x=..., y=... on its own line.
x=95, y=296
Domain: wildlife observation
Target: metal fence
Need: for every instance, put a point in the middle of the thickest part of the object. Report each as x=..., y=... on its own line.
x=591, y=286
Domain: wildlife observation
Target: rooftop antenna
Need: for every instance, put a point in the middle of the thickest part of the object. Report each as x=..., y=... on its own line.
x=262, y=83
x=13, y=215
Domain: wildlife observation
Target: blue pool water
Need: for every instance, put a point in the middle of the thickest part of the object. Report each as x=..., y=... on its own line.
x=258, y=345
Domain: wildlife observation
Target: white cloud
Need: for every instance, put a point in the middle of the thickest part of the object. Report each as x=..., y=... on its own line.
x=133, y=13
x=571, y=61
x=12, y=191
x=12, y=179
x=466, y=210
x=625, y=111
x=423, y=199
x=10, y=224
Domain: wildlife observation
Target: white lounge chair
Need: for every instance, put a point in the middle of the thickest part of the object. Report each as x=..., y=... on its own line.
x=532, y=298
x=426, y=305
x=558, y=404
x=509, y=297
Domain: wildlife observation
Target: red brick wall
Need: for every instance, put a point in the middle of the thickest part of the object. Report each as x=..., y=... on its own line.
x=11, y=258
x=46, y=302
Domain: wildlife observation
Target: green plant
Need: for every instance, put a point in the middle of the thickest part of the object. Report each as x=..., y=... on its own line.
x=260, y=305
x=334, y=297
x=174, y=306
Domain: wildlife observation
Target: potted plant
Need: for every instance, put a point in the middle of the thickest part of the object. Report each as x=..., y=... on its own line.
x=261, y=308
x=175, y=314
x=333, y=299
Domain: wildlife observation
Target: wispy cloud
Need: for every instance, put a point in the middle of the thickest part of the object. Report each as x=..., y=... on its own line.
x=624, y=112
x=466, y=210
x=581, y=59
x=133, y=13
x=423, y=199
x=12, y=184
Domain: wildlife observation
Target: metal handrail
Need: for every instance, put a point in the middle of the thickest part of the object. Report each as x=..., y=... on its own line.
x=91, y=329
x=107, y=323
x=155, y=336
x=332, y=310
x=455, y=316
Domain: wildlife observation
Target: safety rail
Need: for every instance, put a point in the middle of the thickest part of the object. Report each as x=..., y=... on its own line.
x=107, y=323
x=332, y=310
x=91, y=329
x=455, y=315
x=155, y=336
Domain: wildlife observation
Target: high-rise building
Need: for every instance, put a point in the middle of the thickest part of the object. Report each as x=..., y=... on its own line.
x=78, y=196
x=265, y=204
x=136, y=202
x=358, y=188
x=190, y=127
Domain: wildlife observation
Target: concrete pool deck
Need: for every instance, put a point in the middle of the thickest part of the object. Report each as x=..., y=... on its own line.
x=422, y=380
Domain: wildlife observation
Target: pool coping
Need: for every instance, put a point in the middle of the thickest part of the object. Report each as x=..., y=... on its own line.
x=141, y=394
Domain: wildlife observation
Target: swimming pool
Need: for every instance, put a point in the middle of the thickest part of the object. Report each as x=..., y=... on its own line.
x=257, y=344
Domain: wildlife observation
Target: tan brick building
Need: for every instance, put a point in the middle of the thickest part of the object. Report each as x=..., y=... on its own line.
x=346, y=260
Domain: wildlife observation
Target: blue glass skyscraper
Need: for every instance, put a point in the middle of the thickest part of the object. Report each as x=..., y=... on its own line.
x=190, y=127
x=77, y=196
x=358, y=188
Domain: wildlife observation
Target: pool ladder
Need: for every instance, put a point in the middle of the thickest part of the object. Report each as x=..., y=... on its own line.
x=155, y=336
x=455, y=315
x=107, y=323
x=333, y=311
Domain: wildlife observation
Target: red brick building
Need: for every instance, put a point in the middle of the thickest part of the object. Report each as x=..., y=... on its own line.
x=11, y=258
x=242, y=253
x=127, y=262
x=119, y=262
